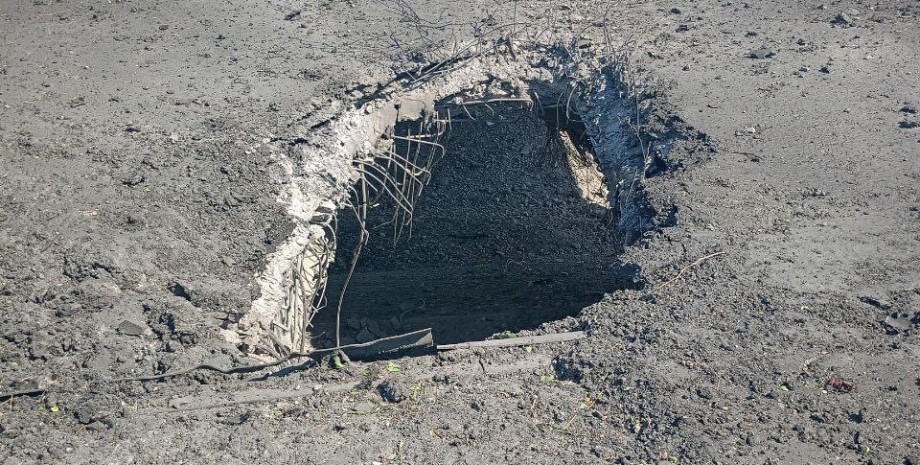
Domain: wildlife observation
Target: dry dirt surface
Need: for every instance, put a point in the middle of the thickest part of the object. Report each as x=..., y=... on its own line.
x=773, y=319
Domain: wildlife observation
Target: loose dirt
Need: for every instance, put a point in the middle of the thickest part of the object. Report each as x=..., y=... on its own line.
x=142, y=159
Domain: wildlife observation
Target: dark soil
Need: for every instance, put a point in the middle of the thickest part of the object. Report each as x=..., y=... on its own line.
x=139, y=176
x=501, y=241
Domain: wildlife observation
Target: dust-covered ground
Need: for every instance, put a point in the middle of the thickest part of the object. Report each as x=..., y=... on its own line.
x=779, y=317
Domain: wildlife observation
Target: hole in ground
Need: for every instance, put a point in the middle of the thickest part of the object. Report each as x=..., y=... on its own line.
x=513, y=230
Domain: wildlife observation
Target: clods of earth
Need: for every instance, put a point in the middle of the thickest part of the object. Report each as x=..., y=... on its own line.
x=772, y=307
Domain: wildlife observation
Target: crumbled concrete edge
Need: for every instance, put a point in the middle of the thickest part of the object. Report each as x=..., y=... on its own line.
x=321, y=181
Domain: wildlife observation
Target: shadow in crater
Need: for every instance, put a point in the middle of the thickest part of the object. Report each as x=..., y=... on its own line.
x=506, y=236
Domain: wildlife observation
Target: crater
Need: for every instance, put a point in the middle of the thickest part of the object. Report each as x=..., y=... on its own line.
x=480, y=197
x=513, y=229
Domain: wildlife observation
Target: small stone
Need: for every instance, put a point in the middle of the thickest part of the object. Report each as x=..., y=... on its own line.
x=292, y=15
x=762, y=53
x=843, y=20
x=908, y=124
x=164, y=27
x=751, y=440
x=133, y=180
x=704, y=392
x=909, y=108
x=130, y=328
x=683, y=28
x=676, y=11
